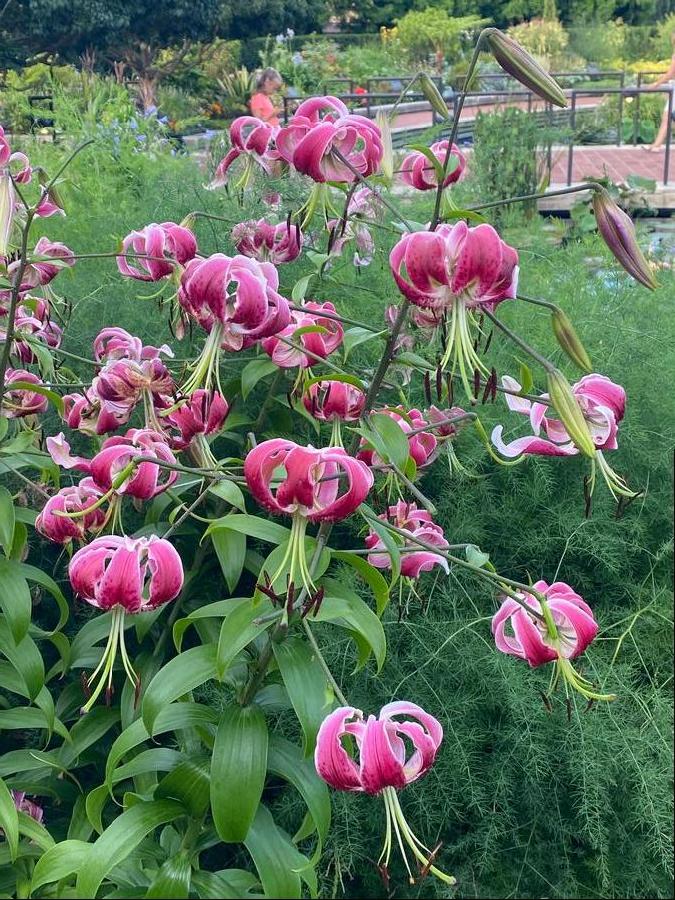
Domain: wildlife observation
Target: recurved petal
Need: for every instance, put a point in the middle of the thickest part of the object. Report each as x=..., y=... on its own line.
x=332, y=761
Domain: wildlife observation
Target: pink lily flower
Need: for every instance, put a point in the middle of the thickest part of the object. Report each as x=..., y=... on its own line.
x=167, y=244
x=353, y=230
x=48, y=206
x=143, y=481
x=459, y=270
x=324, y=338
x=265, y=242
x=40, y=272
x=562, y=630
x=78, y=498
x=8, y=198
x=21, y=401
x=330, y=399
x=603, y=404
x=236, y=293
x=35, y=325
x=438, y=417
x=414, y=560
x=418, y=172
x=24, y=805
x=384, y=765
x=253, y=139
x=421, y=446
x=116, y=343
x=530, y=639
x=354, y=137
x=125, y=575
x=124, y=381
x=203, y=413
x=306, y=488
x=90, y=414
x=310, y=486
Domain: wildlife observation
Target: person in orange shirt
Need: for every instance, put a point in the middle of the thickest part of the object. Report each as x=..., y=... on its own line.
x=268, y=83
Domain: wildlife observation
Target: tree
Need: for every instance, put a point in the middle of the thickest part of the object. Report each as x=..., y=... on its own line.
x=258, y=18
x=133, y=31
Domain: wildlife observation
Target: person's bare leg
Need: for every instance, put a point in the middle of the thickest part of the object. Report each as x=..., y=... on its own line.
x=660, y=138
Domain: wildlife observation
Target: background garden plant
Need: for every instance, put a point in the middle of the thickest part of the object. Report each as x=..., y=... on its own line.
x=217, y=739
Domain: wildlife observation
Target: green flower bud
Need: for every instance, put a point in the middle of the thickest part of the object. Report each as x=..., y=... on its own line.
x=433, y=95
x=7, y=201
x=384, y=124
x=515, y=60
x=565, y=404
x=569, y=340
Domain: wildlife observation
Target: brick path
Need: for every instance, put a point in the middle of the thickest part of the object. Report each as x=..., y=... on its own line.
x=616, y=162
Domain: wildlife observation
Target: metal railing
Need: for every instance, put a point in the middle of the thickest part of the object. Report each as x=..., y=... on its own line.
x=367, y=103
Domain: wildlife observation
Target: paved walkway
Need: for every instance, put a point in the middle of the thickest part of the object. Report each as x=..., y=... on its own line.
x=424, y=118
x=614, y=162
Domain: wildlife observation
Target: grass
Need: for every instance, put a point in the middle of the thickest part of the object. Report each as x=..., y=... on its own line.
x=527, y=803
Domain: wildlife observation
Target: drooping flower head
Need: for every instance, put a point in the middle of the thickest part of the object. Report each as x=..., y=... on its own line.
x=558, y=630
x=24, y=805
x=309, y=485
x=265, y=242
x=22, y=401
x=419, y=172
x=331, y=399
x=384, y=764
x=253, y=139
x=414, y=559
x=312, y=334
x=203, y=413
x=116, y=343
x=157, y=250
x=321, y=132
x=48, y=259
x=456, y=270
x=603, y=405
x=114, y=468
x=78, y=498
x=125, y=575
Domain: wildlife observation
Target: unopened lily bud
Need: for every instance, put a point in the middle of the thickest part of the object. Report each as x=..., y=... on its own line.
x=569, y=340
x=7, y=203
x=387, y=164
x=515, y=60
x=618, y=232
x=565, y=404
x=433, y=95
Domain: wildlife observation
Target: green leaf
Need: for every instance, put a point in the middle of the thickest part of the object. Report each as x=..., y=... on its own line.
x=173, y=879
x=393, y=437
x=526, y=379
x=188, y=783
x=230, y=547
x=253, y=372
x=276, y=859
x=238, y=768
x=357, y=335
x=347, y=379
x=475, y=556
x=25, y=658
x=286, y=760
x=387, y=539
x=60, y=861
x=238, y=630
x=32, y=573
x=299, y=291
x=15, y=598
x=34, y=831
x=9, y=820
x=344, y=607
x=230, y=492
x=227, y=884
x=6, y=520
x=436, y=164
x=372, y=576
x=179, y=676
x=306, y=684
x=253, y=526
x=120, y=839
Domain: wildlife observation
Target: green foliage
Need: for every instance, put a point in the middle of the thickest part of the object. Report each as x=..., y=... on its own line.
x=505, y=157
x=434, y=31
x=546, y=39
